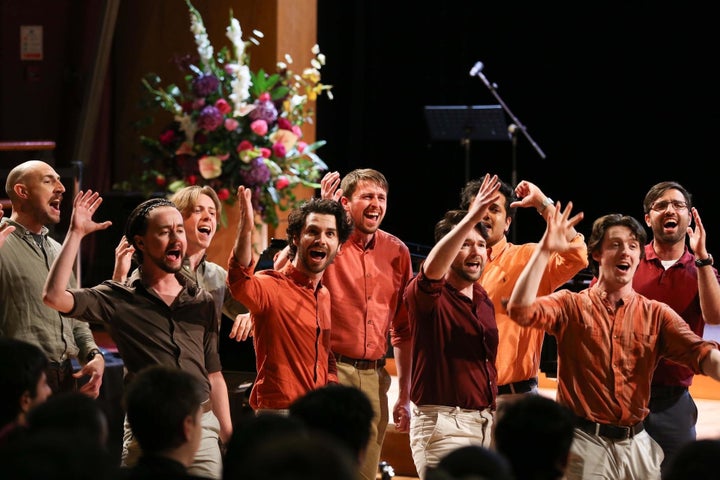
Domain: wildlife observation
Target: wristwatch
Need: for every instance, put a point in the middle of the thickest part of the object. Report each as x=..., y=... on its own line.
x=547, y=202
x=92, y=354
x=704, y=263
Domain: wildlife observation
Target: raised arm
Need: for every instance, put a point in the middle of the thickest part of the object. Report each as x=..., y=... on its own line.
x=555, y=239
x=442, y=254
x=123, y=259
x=530, y=195
x=55, y=294
x=242, y=250
x=708, y=285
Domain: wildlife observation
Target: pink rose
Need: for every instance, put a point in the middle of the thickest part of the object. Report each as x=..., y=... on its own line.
x=297, y=131
x=223, y=106
x=260, y=127
x=264, y=97
x=301, y=146
x=279, y=150
x=282, y=182
x=265, y=152
x=231, y=124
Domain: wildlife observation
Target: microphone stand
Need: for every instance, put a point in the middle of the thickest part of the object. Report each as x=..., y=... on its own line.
x=476, y=71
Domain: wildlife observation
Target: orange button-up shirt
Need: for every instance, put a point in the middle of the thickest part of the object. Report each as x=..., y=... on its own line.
x=518, y=355
x=607, y=355
x=292, y=332
x=367, y=285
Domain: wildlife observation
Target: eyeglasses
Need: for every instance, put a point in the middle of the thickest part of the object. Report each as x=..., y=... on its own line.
x=662, y=206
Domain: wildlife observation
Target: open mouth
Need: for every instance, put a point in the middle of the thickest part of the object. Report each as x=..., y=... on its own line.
x=55, y=203
x=670, y=224
x=623, y=266
x=205, y=230
x=317, y=254
x=174, y=254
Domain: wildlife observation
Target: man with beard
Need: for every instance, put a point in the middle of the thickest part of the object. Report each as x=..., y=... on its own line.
x=200, y=207
x=290, y=307
x=158, y=316
x=519, y=350
x=610, y=339
x=454, y=338
x=36, y=192
x=686, y=280
x=366, y=282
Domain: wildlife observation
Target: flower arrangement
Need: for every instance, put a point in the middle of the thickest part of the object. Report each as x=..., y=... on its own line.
x=232, y=126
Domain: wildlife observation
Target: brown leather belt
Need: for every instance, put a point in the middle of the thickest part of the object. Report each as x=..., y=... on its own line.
x=206, y=405
x=615, y=432
x=360, y=364
x=518, y=387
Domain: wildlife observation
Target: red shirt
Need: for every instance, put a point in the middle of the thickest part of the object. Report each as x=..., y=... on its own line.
x=292, y=332
x=678, y=287
x=607, y=354
x=454, y=344
x=367, y=285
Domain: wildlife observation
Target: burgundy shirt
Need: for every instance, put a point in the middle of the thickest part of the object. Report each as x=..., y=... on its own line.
x=678, y=287
x=454, y=344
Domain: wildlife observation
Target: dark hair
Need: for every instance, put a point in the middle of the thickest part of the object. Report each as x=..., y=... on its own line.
x=471, y=189
x=452, y=218
x=350, y=181
x=157, y=402
x=657, y=190
x=21, y=367
x=602, y=224
x=342, y=411
x=137, y=222
x=70, y=412
x=471, y=462
x=298, y=218
x=695, y=459
x=251, y=432
x=535, y=434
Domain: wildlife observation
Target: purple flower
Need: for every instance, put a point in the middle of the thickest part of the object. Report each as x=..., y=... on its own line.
x=210, y=118
x=256, y=173
x=205, y=84
x=264, y=110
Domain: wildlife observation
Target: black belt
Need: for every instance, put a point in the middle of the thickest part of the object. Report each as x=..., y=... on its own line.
x=615, y=432
x=360, y=364
x=518, y=387
x=666, y=391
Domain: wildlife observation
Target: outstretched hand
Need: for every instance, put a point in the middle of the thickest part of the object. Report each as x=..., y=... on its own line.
x=487, y=194
x=329, y=186
x=559, y=224
x=696, y=236
x=85, y=205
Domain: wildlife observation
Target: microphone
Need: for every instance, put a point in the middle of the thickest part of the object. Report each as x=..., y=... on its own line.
x=477, y=68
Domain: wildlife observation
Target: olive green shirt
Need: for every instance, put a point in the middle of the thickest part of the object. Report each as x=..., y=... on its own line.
x=24, y=266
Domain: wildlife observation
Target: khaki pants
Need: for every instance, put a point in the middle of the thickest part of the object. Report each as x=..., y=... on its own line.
x=375, y=383
x=436, y=430
x=595, y=457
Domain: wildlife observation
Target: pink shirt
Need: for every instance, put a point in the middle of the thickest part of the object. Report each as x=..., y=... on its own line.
x=607, y=355
x=518, y=356
x=367, y=287
x=292, y=332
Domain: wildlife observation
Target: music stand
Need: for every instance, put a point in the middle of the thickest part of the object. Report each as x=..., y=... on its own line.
x=466, y=123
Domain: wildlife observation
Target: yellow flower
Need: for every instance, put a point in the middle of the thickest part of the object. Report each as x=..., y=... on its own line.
x=210, y=167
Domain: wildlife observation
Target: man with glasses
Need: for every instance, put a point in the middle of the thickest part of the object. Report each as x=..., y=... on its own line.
x=686, y=280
